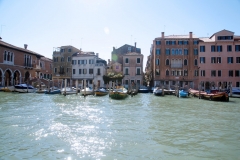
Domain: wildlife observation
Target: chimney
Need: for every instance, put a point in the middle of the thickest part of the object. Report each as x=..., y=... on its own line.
x=97, y=55
x=190, y=34
x=162, y=35
x=135, y=46
x=25, y=46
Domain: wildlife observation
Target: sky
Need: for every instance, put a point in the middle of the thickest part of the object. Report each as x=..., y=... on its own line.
x=100, y=25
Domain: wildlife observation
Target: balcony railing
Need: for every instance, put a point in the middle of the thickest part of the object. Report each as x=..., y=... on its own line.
x=28, y=65
x=176, y=65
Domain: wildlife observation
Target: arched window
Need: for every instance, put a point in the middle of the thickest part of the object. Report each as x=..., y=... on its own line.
x=195, y=62
x=167, y=62
x=5, y=55
x=8, y=56
x=185, y=62
x=167, y=72
x=11, y=59
x=180, y=51
x=173, y=51
x=176, y=51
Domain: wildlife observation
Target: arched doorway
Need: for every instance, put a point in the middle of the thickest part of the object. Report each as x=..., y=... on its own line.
x=16, y=78
x=8, y=77
x=26, y=77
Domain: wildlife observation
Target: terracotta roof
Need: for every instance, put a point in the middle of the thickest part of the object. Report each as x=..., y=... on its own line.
x=46, y=59
x=19, y=49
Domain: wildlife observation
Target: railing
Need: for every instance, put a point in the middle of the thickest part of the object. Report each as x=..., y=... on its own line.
x=176, y=65
x=28, y=65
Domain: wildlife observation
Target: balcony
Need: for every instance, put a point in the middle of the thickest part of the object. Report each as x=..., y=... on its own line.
x=37, y=68
x=176, y=65
x=28, y=65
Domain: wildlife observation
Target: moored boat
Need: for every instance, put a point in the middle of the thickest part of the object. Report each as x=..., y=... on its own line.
x=53, y=90
x=218, y=96
x=143, y=89
x=157, y=91
x=68, y=91
x=7, y=89
x=118, y=93
x=183, y=94
x=24, y=88
x=196, y=93
x=101, y=92
x=87, y=91
x=235, y=93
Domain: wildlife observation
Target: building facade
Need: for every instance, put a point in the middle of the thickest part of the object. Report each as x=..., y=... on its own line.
x=133, y=68
x=62, y=63
x=18, y=65
x=117, y=54
x=174, y=60
x=219, y=60
x=88, y=66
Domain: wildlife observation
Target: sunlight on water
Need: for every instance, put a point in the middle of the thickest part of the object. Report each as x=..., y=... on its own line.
x=141, y=127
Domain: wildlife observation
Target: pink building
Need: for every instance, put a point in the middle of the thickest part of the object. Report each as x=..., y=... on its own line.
x=219, y=60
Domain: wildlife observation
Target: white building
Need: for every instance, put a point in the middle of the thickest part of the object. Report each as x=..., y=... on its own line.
x=87, y=65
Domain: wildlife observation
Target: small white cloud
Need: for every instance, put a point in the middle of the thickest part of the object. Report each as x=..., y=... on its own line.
x=106, y=30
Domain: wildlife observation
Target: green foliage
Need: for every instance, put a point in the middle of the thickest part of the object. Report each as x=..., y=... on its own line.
x=112, y=77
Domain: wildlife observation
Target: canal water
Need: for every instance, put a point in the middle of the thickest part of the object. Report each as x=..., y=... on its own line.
x=39, y=126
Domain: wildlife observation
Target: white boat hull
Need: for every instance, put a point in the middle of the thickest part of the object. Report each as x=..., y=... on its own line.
x=25, y=90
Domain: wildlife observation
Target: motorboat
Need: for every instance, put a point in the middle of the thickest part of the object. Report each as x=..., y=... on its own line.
x=218, y=96
x=182, y=94
x=196, y=93
x=120, y=93
x=24, y=88
x=87, y=91
x=53, y=90
x=143, y=89
x=68, y=91
x=157, y=91
x=101, y=92
x=235, y=93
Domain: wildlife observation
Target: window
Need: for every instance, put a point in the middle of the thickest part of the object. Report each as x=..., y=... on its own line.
x=213, y=73
x=237, y=59
x=237, y=84
x=195, y=51
x=237, y=73
x=237, y=48
x=180, y=42
x=219, y=73
x=185, y=42
x=69, y=59
x=157, y=72
x=196, y=73
x=138, y=60
x=219, y=60
x=185, y=62
x=69, y=50
x=91, y=61
x=167, y=72
x=174, y=43
x=230, y=59
x=138, y=71
x=230, y=73
x=195, y=42
x=185, y=51
x=62, y=59
x=213, y=48
x=167, y=42
x=74, y=62
x=158, y=51
x=55, y=70
x=80, y=71
x=67, y=70
x=173, y=51
x=126, y=82
x=84, y=71
x=180, y=51
x=202, y=73
x=158, y=42
x=229, y=48
x=157, y=62
x=62, y=50
x=55, y=59
x=73, y=71
x=126, y=60
x=213, y=59
x=202, y=48
x=167, y=62
x=90, y=71
x=219, y=48
x=195, y=62
x=185, y=72
x=167, y=51
x=98, y=71
x=126, y=71
x=225, y=37
x=129, y=49
x=176, y=51
x=202, y=59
